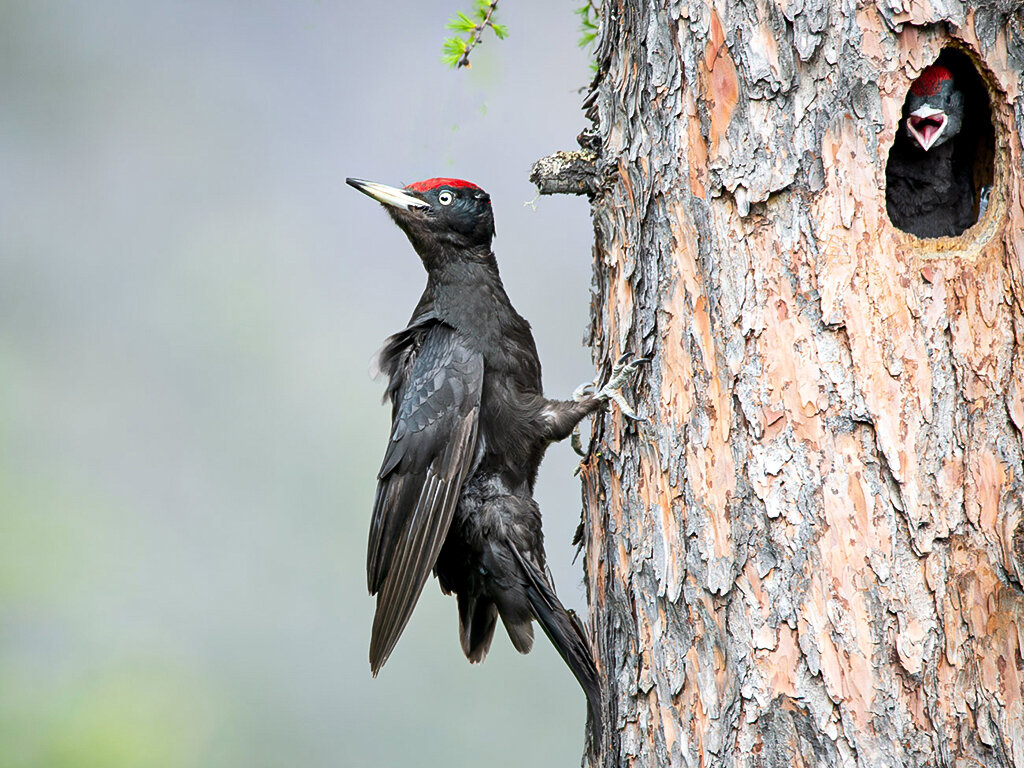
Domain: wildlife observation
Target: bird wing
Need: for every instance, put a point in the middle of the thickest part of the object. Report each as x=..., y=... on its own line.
x=436, y=381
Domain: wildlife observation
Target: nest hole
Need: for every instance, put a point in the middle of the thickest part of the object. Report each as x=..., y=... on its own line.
x=944, y=190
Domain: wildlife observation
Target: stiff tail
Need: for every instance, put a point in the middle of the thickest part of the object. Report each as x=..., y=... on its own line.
x=566, y=633
x=477, y=618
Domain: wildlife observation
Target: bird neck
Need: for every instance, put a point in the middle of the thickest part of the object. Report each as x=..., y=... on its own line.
x=469, y=295
x=464, y=274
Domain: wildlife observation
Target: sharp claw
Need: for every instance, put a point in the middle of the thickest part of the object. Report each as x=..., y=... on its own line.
x=624, y=367
x=625, y=408
x=582, y=391
x=575, y=441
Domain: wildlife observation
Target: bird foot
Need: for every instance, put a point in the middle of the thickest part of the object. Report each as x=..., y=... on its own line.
x=622, y=371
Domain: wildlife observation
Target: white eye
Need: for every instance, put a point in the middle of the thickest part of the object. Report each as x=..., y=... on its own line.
x=445, y=198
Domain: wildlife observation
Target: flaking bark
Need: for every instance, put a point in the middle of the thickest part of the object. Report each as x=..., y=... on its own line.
x=566, y=173
x=812, y=554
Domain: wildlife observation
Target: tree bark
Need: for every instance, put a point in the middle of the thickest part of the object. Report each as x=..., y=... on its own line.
x=812, y=552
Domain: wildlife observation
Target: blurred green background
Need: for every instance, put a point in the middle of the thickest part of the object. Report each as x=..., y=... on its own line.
x=190, y=298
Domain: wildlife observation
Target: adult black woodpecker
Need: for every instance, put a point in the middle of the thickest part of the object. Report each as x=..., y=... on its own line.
x=470, y=425
x=929, y=184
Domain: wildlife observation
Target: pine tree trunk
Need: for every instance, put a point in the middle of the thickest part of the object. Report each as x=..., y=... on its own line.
x=812, y=552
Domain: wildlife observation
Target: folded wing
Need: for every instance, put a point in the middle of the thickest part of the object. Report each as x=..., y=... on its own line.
x=436, y=381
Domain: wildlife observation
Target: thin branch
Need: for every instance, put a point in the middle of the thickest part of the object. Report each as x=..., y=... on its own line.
x=478, y=34
x=456, y=49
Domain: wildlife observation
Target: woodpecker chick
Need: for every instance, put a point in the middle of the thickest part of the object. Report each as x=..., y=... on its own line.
x=929, y=178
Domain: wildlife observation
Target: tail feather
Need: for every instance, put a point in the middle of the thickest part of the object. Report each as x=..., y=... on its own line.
x=477, y=619
x=567, y=635
x=521, y=634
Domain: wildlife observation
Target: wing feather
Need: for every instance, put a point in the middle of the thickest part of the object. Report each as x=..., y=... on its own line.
x=436, y=390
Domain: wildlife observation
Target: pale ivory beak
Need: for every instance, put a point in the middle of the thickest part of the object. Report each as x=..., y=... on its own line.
x=393, y=196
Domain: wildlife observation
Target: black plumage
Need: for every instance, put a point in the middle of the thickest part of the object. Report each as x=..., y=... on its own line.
x=929, y=176
x=470, y=425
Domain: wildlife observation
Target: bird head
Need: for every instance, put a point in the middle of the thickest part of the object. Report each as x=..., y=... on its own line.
x=934, y=107
x=441, y=217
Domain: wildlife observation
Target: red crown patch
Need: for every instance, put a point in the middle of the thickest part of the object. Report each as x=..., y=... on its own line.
x=429, y=184
x=931, y=80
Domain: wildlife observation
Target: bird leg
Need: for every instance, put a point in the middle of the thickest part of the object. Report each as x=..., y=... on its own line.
x=623, y=369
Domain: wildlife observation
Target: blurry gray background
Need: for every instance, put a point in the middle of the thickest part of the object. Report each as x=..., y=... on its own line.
x=190, y=298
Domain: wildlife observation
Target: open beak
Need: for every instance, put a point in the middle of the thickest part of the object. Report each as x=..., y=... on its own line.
x=926, y=124
x=392, y=196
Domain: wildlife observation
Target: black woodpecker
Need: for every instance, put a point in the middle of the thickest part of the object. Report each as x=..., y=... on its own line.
x=929, y=184
x=470, y=425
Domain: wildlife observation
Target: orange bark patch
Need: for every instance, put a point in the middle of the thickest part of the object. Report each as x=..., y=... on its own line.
x=698, y=160
x=993, y=617
x=659, y=497
x=987, y=481
x=792, y=371
x=724, y=84
x=784, y=663
x=677, y=372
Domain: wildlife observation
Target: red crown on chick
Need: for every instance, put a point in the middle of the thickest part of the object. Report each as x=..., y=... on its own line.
x=931, y=80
